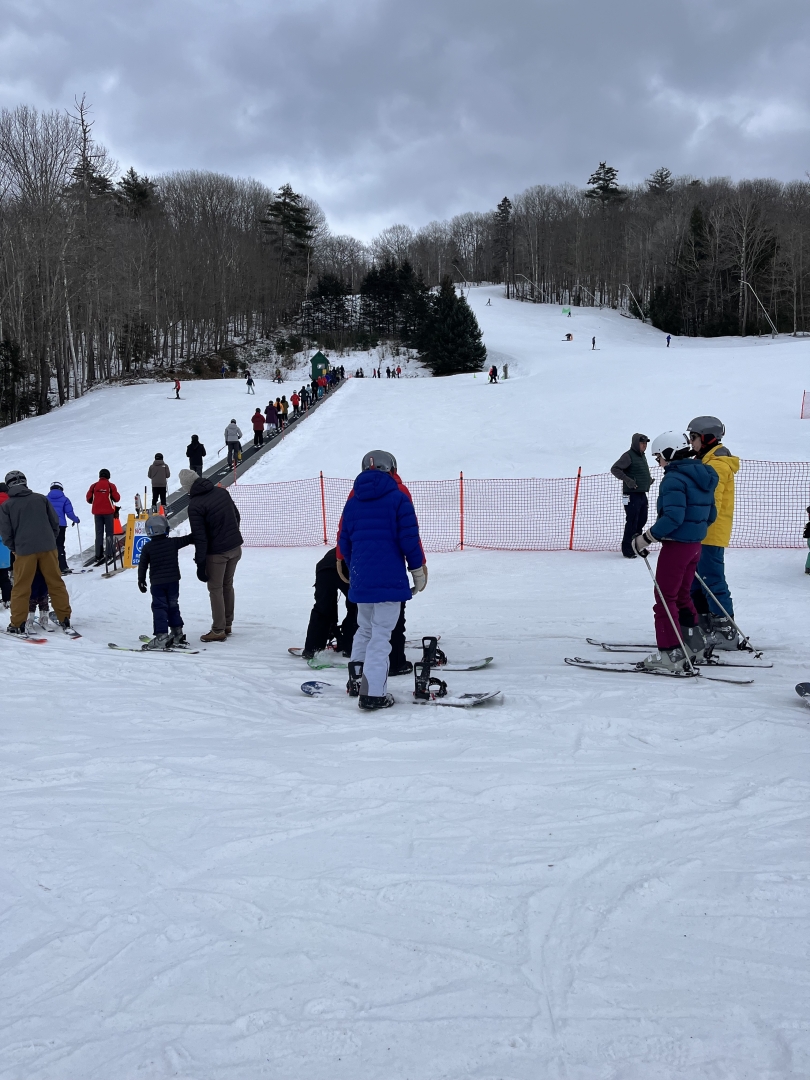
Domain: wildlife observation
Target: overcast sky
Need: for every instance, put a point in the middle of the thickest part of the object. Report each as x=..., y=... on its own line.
x=408, y=110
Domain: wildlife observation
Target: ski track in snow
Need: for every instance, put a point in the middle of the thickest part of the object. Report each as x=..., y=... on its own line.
x=205, y=874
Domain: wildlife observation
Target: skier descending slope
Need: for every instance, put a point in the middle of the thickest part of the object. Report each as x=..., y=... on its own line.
x=378, y=535
x=685, y=510
x=705, y=433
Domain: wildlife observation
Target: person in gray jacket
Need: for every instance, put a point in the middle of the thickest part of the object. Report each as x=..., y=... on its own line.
x=29, y=527
x=158, y=474
x=232, y=436
x=634, y=472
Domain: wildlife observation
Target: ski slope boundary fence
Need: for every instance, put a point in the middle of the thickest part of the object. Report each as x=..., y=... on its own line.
x=578, y=513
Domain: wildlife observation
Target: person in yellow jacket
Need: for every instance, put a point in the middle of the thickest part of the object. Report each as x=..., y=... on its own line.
x=705, y=434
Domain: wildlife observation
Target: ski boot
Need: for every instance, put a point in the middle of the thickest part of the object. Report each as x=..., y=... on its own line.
x=369, y=703
x=12, y=629
x=31, y=625
x=427, y=686
x=45, y=621
x=667, y=662
x=159, y=643
x=178, y=638
x=431, y=653
x=405, y=667
x=724, y=636
x=355, y=678
x=53, y=619
x=698, y=644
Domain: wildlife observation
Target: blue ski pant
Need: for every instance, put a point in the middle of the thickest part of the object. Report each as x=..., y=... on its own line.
x=712, y=569
x=166, y=607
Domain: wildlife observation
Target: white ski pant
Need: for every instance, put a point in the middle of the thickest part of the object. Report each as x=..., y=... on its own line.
x=372, y=644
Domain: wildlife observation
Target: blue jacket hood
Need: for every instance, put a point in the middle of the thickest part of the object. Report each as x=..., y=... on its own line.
x=697, y=472
x=373, y=484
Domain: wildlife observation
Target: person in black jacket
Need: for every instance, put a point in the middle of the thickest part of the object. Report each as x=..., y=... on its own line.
x=214, y=521
x=195, y=452
x=634, y=472
x=159, y=558
x=323, y=620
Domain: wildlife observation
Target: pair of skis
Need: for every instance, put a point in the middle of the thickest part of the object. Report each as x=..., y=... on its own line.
x=701, y=670
x=156, y=652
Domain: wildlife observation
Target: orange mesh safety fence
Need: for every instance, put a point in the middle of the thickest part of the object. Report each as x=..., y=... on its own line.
x=523, y=515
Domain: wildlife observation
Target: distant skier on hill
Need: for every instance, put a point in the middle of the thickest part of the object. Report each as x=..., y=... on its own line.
x=176, y=389
x=250, y=384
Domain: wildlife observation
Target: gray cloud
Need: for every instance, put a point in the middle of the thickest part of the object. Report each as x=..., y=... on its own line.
x=387, y=111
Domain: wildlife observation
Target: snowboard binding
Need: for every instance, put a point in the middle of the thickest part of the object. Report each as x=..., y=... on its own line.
x=431, y=653
x=355, y=675
x=425, y=682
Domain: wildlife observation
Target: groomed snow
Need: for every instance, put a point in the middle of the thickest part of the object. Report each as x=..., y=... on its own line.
x=205, y=874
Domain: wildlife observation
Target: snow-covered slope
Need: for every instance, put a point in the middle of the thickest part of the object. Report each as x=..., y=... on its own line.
x=205, y=874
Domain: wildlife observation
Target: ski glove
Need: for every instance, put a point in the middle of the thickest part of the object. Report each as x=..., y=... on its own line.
x=201, y=574
x=641, y=542
x=419, y=579
x=142, y=586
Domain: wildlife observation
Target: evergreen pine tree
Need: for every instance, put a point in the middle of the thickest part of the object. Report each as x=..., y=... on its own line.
x=603, y=186
x=661, y=182
x=452, y=338
x=289, y=228
x=502, y=240
x=136, y=194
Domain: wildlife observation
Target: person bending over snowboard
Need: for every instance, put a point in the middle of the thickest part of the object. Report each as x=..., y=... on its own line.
x=378, y=537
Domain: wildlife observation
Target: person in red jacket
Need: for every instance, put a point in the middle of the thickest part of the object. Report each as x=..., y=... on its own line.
x=295, y=401
x=257, y=420
x=102, y=496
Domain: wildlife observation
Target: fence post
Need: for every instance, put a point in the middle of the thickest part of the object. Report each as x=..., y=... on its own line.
x=804, y=395
x=461, y=507
x=574, y=511
x=323, y=509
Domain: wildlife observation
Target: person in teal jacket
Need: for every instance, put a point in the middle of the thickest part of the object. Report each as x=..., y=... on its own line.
x=685, y=510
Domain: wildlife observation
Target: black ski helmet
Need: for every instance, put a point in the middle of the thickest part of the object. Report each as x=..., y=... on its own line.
x=707, y=426
x=15, y=477
x=381, y=460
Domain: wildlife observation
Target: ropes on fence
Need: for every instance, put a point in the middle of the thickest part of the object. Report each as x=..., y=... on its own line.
x=581, y=513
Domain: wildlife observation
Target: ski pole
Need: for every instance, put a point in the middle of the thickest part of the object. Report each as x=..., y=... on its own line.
x=79, y=534
x=745, y=643
x=665, y=606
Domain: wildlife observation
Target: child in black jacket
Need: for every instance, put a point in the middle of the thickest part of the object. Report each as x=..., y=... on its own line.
x=159, y=558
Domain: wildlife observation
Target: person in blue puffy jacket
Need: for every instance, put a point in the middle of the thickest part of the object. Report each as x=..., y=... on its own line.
x=64, y=510
x=378, y=542
x=685, y=510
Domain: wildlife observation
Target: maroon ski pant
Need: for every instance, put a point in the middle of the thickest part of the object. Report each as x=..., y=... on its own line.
x=675, y=573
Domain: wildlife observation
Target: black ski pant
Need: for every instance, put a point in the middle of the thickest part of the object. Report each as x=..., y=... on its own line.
x=104, y=524
x=158, y=496
x=635, y=511
x=258, y=437
x=60, y=547
x=233, y=452
x=5, y=584
x=324, y=625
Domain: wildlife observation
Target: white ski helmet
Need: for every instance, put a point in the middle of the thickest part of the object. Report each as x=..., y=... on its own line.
x=668, y=443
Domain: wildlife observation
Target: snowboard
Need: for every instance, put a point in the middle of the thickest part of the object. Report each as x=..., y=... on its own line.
x=718, y=659
x=803, y=690
x=328, y=658
x=637, y=669
x=411, y=643
x=458, y=701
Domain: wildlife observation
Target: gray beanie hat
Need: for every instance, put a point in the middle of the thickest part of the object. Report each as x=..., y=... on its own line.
x=187, y=478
